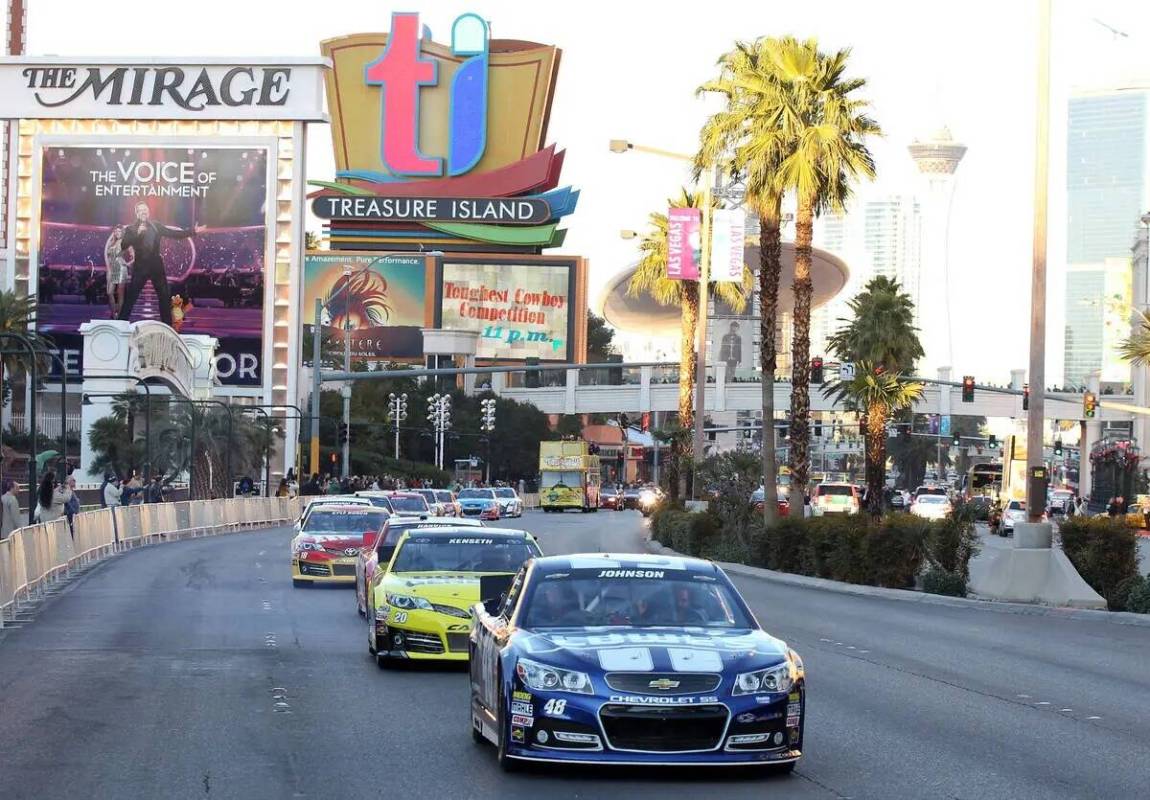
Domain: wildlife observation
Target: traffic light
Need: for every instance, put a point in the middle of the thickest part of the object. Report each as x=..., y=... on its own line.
x=968, y=389
x=992, y=441
x=1058, y=448
x=817, y=369
x=1089, y=405
x=532, y=379
x=818, y=429
x=956, y=440
x=344, y=438
x=1026, y=397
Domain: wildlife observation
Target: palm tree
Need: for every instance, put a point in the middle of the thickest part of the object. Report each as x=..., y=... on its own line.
x=881, y=394
x=1136, y=347
x=826, y=129
x=651, y=278
x=881, y=333
x=747, y=139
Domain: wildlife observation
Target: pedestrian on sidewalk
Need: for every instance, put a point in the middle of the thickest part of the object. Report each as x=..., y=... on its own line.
x=71, y=504
x=113, y=492
x=155, y=491
x=9, y=509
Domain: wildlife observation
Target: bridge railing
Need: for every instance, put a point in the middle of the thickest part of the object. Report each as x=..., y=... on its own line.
x=35, y=557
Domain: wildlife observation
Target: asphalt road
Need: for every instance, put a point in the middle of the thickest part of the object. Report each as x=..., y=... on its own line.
x=193, y=670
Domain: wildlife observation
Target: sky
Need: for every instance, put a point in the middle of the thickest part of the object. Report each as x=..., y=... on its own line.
x=629, y=70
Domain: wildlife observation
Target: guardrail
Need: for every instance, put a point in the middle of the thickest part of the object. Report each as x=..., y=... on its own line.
x=35, y=557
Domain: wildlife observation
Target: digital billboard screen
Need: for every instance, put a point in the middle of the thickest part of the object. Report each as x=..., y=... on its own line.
x=385, y=299
x=520, y=308
x=140, y=231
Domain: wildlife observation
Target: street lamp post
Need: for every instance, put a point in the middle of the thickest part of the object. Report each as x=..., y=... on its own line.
x=439, y=415
x=488, y=426
x=397, y=413
x=346, y=390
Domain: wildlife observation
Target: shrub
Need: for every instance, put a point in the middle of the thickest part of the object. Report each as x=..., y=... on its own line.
x=1104, y=551
x=951, y=545
x=894, y=549
x=1138, y=598
x=940, y=581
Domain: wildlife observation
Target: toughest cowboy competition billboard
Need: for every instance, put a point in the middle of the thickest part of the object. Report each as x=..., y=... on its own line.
x=176, y=234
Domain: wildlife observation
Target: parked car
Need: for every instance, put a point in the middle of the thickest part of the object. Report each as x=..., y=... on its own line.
x=782, y=504
x=1014, y=512
x=835, y=498
x=931, y=506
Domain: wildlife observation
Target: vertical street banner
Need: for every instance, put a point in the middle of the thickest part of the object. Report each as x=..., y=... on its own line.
x=684, y=244
x=383, y=300
x=144, y=231
x=728, y=240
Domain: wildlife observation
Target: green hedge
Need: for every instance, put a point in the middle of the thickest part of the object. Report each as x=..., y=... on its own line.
x=1105, y=553
x=891, y=551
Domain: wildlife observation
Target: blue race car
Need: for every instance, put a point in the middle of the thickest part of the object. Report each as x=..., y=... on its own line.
x=631, y=659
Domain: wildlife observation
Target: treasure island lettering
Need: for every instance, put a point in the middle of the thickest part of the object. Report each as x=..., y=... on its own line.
x=154, y=86
x=510, y=211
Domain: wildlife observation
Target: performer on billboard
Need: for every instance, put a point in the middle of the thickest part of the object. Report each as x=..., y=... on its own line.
x=731, y=349
x=144, y=237
x=117, y=270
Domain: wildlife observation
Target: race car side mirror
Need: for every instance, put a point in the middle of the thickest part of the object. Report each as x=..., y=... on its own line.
x=369, y=538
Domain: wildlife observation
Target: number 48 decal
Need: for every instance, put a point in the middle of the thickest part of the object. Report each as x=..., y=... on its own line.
x=555, y=708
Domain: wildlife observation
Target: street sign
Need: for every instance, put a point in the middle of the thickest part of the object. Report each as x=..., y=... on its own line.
x=846, y=372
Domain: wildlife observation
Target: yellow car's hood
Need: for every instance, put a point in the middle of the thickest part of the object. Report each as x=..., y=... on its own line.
x=459, y=589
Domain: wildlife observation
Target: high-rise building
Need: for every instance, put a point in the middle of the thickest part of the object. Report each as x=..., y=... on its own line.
x=937, y=158
x=1107, y=160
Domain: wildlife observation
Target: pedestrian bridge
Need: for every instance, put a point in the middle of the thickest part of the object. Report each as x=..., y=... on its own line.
x=650, y=388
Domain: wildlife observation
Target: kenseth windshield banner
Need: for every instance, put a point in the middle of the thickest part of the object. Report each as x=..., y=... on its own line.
x=176, y=234
x=520, y=309
x=384, y=301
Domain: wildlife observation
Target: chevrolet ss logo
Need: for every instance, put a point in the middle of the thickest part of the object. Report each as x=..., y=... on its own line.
x=663, y=684
x=351, y=551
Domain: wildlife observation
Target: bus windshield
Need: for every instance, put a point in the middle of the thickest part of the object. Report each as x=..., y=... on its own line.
x=562, y=479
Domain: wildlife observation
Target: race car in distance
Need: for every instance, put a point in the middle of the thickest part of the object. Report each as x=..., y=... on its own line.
x=437, y=508
x=326, y=549
x=329, y=500
x=480, y=503
x=422, y=602
x=409, y=504
x=632, y=659
x=450, y=504
x=509, y=503
x=377, y=551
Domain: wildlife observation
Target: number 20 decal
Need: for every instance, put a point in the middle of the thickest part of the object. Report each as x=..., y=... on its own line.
x=555, y=708
x=400, y=617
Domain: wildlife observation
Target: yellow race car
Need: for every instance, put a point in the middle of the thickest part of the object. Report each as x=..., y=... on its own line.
x=421, y=604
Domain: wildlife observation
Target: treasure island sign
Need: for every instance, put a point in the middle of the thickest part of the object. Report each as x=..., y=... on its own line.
x=442, y=147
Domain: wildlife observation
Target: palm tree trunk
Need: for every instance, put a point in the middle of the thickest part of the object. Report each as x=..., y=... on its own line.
x=801, y=349
x=876, y=417
x=770, y=248
x=687, y=361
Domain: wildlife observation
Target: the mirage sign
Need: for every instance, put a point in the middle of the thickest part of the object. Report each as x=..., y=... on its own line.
x=51, y=88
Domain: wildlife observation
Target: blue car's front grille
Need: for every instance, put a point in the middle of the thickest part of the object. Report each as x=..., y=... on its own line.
x=664, y=729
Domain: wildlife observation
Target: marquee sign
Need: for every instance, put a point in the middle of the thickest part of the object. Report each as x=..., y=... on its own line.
x=501, y=210
x=458, y=129
x=98, y=88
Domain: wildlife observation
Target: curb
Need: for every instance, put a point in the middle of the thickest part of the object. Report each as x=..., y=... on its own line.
x=925, y=598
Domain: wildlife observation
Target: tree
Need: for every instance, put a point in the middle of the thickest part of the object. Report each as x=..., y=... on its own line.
x=600, y=339
x=825, y=128
x=570, y=425
x=747, y=140
x=651, y=278
x=880, y=333
x=882, y=394
x=1136, y=347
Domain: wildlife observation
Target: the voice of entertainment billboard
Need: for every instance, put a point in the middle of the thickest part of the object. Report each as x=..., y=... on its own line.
x=176, y=234
x=521, y=310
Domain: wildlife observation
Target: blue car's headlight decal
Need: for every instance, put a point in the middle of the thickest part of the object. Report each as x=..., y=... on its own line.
x=542, y=677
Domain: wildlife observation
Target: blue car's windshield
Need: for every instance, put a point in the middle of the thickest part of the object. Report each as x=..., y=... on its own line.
x=642, y=597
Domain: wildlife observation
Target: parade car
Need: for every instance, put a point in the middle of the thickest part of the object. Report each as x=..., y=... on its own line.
x=377, y=551
x=326, y=547
x=328, y=500
x=421, y=604
x=509, y=503
x=480, y=503
x=632, y=659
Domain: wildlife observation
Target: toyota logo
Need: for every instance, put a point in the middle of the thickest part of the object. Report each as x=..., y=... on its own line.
x=351, y=551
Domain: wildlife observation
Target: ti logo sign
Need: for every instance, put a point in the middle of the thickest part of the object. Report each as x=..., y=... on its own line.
x=402, y=71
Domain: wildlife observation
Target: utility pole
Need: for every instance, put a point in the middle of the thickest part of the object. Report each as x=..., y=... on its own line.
x=316, y=369
x=1036, y=478
x=346, y=390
